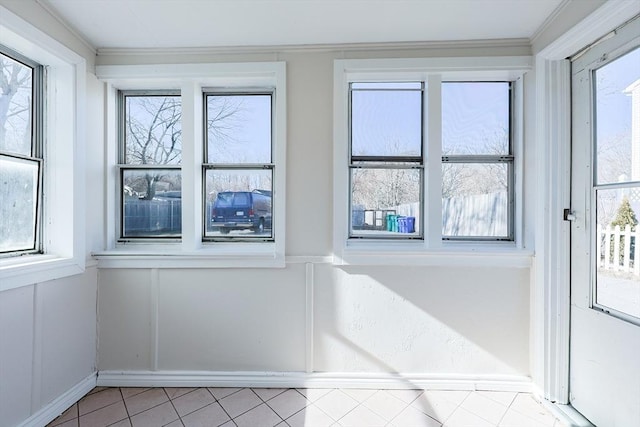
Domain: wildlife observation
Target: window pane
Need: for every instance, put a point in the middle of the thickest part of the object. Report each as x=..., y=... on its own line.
x=475, y=118
x=385, y=202
x=386, y=122
x=153, y=132
x=18, y=203
x=617, y=112
x=617, y=265
x=239, y=128
x=475, y=200
x=152, y=203
x=238, y=203
x=15, y=106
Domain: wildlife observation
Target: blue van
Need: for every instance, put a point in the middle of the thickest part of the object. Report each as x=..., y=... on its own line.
x=241, y=210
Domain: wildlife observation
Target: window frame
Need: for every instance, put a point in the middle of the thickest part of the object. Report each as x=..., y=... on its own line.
x=63, y=129
x=387, y=162
x=193, y=80
x=432, y=249
x=488, y=159
x=124, y=166
x=37, y=149
x=207, y=166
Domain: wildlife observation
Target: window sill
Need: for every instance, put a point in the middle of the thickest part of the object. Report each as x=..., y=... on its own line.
x=29, y=269
x=450, y=254
x=223, y=256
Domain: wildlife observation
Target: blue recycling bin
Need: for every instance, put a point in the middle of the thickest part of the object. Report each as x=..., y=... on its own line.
x=402, y=224
x=411, y=224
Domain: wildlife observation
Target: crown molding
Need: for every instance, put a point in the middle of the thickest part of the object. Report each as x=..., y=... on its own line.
x=346, y=47
x=77, y=34
x=607, y=17
x=547, y=22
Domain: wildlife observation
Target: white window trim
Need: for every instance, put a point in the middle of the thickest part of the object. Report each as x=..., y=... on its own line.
x=432, y=250
x=64, y=184
x=191, y=251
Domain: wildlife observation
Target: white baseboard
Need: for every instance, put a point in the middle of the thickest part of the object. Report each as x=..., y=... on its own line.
x=63, y=402
x=514, y=383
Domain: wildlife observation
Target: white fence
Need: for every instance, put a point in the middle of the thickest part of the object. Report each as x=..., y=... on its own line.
x=616, y=249
x=476, y=215
x=472, y=215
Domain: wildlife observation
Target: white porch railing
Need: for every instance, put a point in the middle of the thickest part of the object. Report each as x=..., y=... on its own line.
x=614, y=251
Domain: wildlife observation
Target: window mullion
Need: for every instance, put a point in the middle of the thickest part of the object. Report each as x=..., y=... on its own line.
x=192, y=157
x=433, y=176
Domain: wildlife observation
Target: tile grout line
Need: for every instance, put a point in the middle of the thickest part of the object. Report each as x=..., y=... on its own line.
x=508, y=407
x=482, y=417
x=251, y=409
x=282, y=421
x=457, y=407
x=390, y=422
x=174, y=406
x=317, y=407
x=528, y=416
x=275, y=412
x=97, y=409
x=281, y=418
x=232, y=419
x=148, y=409
x=124, y=403
x=269, y=406
x=180, y=417
x=351, y=410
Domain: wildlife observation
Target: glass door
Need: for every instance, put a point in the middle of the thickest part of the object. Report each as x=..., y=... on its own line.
x=605, y=245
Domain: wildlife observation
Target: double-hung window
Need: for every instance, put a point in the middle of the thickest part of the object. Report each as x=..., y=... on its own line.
x=477, y=161
x=42, y=156
x=428, y=158
x=150, y=157
x=386, y=159
x=21, y=158
x=196, y=156
x=238, y=166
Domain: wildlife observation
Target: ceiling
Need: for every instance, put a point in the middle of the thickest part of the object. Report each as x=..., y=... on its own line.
x=226, y=23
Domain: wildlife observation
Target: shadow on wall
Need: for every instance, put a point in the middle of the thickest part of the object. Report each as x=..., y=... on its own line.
x=435, y=320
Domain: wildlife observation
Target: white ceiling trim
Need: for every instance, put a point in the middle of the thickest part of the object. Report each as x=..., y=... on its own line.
x=463, y=44
x=552, y=17
x=76, y=33
x=608, y=17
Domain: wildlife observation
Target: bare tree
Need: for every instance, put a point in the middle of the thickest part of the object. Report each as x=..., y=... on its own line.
x=153, y=137
x=228, y=121
x=17, y=183
x=15, y=106
x=224, y=116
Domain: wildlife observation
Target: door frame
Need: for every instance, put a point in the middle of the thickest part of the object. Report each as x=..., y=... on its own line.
x=550, y=297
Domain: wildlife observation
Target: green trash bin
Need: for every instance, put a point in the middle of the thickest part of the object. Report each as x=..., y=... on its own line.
x=392, y=222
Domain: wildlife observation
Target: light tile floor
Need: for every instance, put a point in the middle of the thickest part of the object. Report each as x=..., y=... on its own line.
x=257, y=407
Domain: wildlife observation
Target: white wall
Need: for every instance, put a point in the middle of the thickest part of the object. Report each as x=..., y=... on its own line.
x=420, y=320
x=379, y=320
x=47, y=343
x=48, y=334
